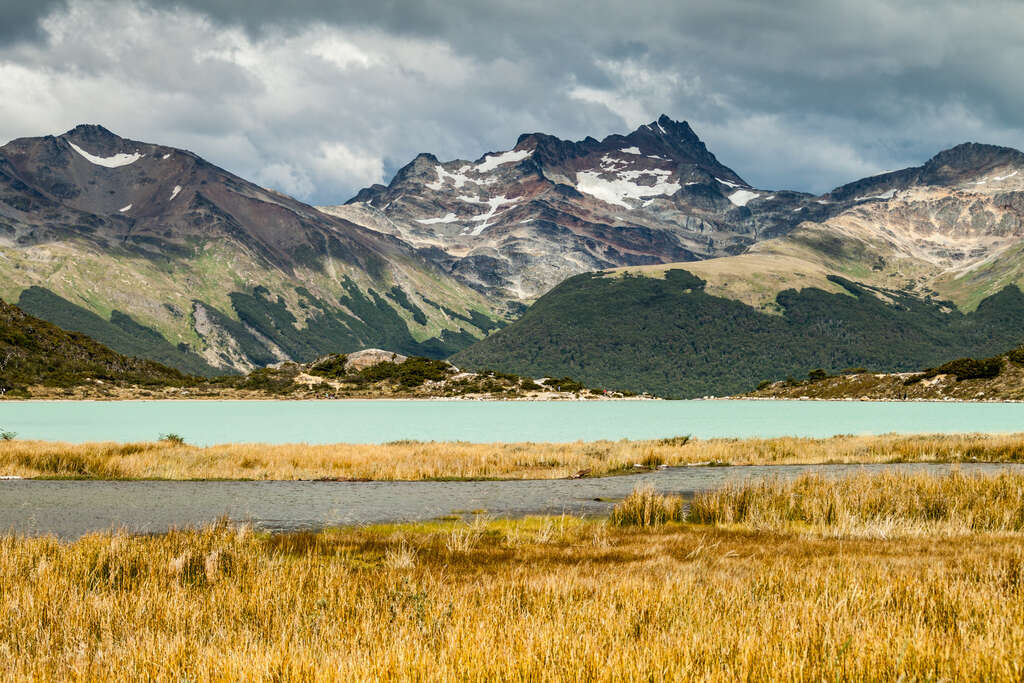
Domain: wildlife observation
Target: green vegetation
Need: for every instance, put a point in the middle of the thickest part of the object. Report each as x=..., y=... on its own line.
x=670, y=337
x=371, y=322
x=33, y=351
x=121, y=333
x=410, y=373
x=964, y=368
x=331, y=367
x=399, y=296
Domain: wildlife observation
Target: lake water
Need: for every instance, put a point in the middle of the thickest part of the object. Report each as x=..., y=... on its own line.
x=71, y=508
x=209, y=422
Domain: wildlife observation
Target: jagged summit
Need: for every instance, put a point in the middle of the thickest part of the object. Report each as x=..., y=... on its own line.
x=514, y=223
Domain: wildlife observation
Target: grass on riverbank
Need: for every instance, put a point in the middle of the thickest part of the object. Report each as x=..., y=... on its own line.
x=535, y=599
x=878, y=505
x=411, y=460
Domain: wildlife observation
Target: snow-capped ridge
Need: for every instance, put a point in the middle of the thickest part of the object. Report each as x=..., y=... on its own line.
x=115, y=161
x=492, y=161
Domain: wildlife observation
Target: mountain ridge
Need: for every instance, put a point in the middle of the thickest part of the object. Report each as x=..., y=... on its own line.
x=233, y=275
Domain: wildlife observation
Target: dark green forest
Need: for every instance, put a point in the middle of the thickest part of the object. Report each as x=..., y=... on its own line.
x=670, y=337
x=33, y=351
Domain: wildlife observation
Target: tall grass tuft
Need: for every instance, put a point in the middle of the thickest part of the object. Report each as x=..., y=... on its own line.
x=644, y=507
x=874, y=505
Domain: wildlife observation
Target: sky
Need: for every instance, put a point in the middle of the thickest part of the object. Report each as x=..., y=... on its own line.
x=318, y=98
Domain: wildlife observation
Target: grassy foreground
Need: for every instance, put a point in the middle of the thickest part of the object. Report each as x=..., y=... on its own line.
x=805, y=596
x=411, y=460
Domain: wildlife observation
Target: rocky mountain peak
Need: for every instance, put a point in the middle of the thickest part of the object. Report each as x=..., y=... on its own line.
x=514, y=223
x=97, y=138
x=969, y=159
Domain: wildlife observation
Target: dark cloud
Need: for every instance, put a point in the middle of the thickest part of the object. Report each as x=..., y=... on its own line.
x=319, y=97
x=21, y=19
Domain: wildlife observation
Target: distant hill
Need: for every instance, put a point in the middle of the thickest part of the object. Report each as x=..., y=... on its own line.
x=668, y=335
x=35, y=352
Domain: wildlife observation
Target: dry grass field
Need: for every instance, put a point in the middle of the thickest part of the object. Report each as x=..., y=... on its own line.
x=410, y=460
x=885, y=578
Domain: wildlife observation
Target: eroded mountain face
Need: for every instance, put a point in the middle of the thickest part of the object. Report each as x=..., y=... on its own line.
x=951, y=229
x=513, y=224
x=156, y=252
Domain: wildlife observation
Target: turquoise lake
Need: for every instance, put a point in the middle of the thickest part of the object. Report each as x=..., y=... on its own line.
x=210, y=422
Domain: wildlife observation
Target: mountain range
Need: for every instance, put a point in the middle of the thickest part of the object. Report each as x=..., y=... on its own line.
x=640, y=260
x=155, y=252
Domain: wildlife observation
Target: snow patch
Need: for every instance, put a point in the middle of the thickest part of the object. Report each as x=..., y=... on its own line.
x=494, y=203
x=726, y=182
x=177, y=189
x=1005, y=176
x=494, y=161
x=107, y=162
x=447, y=218
x=889, y=194
x=166, y=157
x=126, y=208
x=741, y=197
x=616, y=191
x=458, y=179
x=630, y=150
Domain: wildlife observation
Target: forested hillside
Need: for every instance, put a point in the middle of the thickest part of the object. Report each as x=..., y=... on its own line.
x=35, y=352
x=670, y=337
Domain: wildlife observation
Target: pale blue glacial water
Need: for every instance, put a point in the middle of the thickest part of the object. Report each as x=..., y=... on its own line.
x=378, y=421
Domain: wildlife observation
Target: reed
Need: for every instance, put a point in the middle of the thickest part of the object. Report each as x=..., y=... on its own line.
x=459, y=460
x=886, y=504
x=644, y=507
x=534, y=599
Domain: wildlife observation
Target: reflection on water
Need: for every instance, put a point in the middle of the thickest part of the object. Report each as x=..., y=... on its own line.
x=71, y=508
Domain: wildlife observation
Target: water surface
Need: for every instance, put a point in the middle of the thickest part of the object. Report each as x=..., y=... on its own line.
x=71, y=508
x=209, y=422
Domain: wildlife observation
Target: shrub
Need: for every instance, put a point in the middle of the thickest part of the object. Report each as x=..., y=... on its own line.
x=964, y=368
x=331, y=367
x=173, y=439
x=1017, y=355
x=565, y=384
x=764, y=384
x=7, y=435
x=530, y=385
x=817, y=375
x=410, y=373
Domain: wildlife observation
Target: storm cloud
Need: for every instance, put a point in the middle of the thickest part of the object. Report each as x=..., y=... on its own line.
x=320, y=98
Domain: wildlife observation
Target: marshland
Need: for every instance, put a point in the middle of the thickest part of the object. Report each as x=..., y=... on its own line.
x=870, y=577
x=175, y=459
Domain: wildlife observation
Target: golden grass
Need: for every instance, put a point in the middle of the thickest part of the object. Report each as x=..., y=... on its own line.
x=645, y=507
x=535, y=599
x=881, y=505
x=438, y=460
